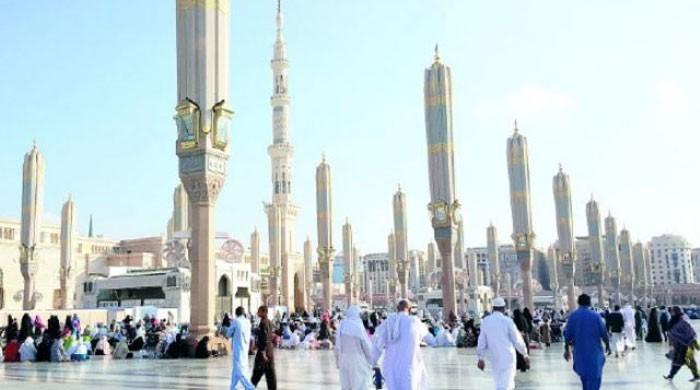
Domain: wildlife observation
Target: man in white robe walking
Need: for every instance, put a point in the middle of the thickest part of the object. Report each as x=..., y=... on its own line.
x=239, y=333
x=498, y=341
x=399, y=337
x=630, y=333
x=353, y=352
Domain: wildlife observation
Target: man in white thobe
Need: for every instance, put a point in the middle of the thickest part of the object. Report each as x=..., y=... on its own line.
x=399, y=337
x=239, y=333
x=353, y=352
x=498, y=340
x=630, y=333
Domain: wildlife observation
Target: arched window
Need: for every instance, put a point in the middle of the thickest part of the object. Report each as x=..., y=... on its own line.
x=224, y=286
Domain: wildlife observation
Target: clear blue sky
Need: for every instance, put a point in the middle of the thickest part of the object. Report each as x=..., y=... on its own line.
x=609, y=89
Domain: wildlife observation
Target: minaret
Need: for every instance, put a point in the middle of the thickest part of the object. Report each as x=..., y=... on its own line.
x=401, y=241
x=627, y=276
x=255, y=251
x=67, y=244
x=521, y=208
x=561, y=186
x=181, y=207
x=203, y=118
x=595, y=240
x=444, y=207
x=348, y=260
x=309, y=274
x=494, y=266
x=612, y=257
x=324, y=220
x=640, y=273
x=32, y=209
x=281, y=153
x=393, y=267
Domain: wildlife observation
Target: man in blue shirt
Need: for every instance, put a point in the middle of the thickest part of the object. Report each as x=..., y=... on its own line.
x=584, y=331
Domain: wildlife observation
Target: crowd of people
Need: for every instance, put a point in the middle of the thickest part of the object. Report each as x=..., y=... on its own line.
x=56, y=341
x=363, y=341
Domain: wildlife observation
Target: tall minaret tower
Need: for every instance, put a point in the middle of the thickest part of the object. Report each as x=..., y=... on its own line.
x=348, y=259
x=627, y=277
x=401, y=241
x=67, y=244
x=324, y=224
x=32, y=209
x=561, y=186
x=612, y=256
x=444, y=207
x=595, y=240
x=203, y=119
x=494, y=266
x=521, y=208
x=281, y=211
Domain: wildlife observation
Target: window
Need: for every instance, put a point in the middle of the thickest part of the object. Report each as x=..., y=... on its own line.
x=54, y=238
x=171, y=281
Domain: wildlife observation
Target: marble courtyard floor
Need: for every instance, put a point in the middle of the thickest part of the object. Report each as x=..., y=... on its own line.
x=448, y=369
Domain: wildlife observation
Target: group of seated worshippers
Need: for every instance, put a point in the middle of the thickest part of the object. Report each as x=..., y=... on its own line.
x=68, y=341
x=33, y=341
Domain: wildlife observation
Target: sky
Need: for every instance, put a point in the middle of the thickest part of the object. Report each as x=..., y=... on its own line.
x=608, y=89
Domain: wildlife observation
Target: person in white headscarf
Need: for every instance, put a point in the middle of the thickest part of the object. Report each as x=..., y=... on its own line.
x=353, y=352
x=498, y=340
x=399, y=338
x=27, y=352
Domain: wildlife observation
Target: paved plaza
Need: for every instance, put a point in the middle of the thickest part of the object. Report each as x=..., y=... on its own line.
x=448, y=369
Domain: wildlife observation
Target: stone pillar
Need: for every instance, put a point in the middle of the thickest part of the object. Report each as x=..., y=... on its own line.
x=444, y=207
x=401, y=241
x=612, y=257
x=561, y=188
x=459, y=255
x=348, y=260
x=431, y=263
x=640, y=273
x=32, y=209
x=356, y=276
x=392, y=278
x=494, y=263
x=595, y=240
x=554, y=280
x=521, y=208
x=203, y=119
x=181, y=209
x=324, y=220
x=67, y=246
x=626, y=265
x=309, y=275
x=255, y=252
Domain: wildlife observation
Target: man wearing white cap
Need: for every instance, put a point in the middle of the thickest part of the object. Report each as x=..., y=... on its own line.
x=498, y=340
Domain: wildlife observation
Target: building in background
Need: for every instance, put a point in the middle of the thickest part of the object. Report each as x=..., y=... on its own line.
x=695, y=258
x=671, y=260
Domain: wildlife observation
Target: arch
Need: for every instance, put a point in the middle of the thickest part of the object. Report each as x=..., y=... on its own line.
x=224, y=289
